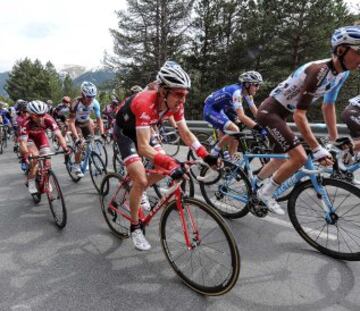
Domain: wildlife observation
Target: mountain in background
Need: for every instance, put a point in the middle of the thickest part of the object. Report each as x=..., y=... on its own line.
x=73, y=71
x=3, y=78
x=99, y=76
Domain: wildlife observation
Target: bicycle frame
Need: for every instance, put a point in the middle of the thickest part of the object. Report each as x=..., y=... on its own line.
x=309, y=170
x=174, y=191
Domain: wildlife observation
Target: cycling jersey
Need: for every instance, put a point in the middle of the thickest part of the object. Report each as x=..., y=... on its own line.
x=140, y=111
x=220, y=106
x=82, y=112
x=4, y=113
x=308, y=83
x=35, y=133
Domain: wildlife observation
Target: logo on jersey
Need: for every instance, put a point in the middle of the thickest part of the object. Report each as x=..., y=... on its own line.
x=145, y=116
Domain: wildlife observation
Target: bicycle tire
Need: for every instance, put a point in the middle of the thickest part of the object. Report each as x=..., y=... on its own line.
x=100, y=149
x=296, y=217
x=171, y=226
x=233, y=210
x=118, y=163
x=96, y=168
x=111, y=192
x=69, y=163
x=59, y=221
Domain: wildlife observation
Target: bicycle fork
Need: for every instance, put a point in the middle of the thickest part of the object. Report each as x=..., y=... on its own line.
x=191, y=243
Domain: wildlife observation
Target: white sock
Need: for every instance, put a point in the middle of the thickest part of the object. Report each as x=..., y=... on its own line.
x=269, y=187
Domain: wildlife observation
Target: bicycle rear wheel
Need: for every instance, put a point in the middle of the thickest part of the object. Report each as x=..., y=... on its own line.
x=114, y=190
x=338, y=236
x=212, y=265
x=56, y=201
x=228, y=191
x=97, y=170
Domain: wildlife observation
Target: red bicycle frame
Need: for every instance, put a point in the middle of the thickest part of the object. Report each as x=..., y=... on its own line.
x=174, y=190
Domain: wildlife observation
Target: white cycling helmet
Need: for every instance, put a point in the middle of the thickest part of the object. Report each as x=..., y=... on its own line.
x=355, y=101
x=88, y=89
x=349, y=35
x=173, y=76
x=37, y=107
x=251, y=77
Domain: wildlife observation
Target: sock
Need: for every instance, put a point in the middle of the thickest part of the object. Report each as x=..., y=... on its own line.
x=269, y=187
x=216, y=150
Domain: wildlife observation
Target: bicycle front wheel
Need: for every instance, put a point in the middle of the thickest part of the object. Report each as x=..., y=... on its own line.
x=211, y=266
x=56, y=201
x=338, y=235
x=100, y=149
x=97, y=170
x=228, y=191
x=114, y=191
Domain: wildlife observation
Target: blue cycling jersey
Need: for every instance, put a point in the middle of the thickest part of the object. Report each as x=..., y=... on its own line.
x=229, y=97
x=4, y=113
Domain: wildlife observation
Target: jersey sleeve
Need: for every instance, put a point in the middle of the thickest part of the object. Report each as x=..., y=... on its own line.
x=96, y=108
x=249, y=100
x=73, y=108
x=314, y=77
x=51, y=123
x=331, y=96
x=237, y=100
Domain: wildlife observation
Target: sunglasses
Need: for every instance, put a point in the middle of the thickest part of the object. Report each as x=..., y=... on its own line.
x=89, y=97
x=256, y=84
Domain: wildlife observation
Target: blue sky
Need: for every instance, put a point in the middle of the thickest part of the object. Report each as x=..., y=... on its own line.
x=64, y=31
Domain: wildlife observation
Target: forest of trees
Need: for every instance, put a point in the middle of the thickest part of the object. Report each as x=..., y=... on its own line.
x=216, y=40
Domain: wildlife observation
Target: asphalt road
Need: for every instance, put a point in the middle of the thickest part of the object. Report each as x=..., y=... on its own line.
x=84, y=267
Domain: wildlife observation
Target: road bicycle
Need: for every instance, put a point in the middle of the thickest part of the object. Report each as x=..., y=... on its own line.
x=90, y=160
x=195, y=239
x=324, y=211
x=47, y=183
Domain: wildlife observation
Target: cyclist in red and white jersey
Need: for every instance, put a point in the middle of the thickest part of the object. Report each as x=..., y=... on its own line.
x=33, y=139
x=132, y=133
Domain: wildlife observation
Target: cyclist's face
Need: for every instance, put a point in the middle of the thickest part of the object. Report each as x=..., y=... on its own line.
x=88, y=100
x=352, y=58
x=37, y=118
x=254, y=87
x=176, y=97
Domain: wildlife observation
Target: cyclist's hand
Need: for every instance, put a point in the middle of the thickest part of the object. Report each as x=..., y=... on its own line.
x=323, y=156
x=78, y=142
x=261, y=130
x=177, y=172
x=67, y=151
x=213, y=161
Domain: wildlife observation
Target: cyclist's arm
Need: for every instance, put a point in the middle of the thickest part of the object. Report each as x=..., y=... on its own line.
x=60, y=138
x=314, y=76
x=302, y=124
x=99, y=121
x=143, y=135
x=244, y=118
x=186, y=135
x=329, y=114
x=172, y=122
x=72, y=127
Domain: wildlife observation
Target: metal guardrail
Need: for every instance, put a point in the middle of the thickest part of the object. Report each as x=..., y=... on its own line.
x=317, y=128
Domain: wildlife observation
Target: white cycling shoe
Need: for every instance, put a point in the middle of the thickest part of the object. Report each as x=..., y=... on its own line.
x=270, y=203
x=32, y=186
x=139, y=240
x=77, y=170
